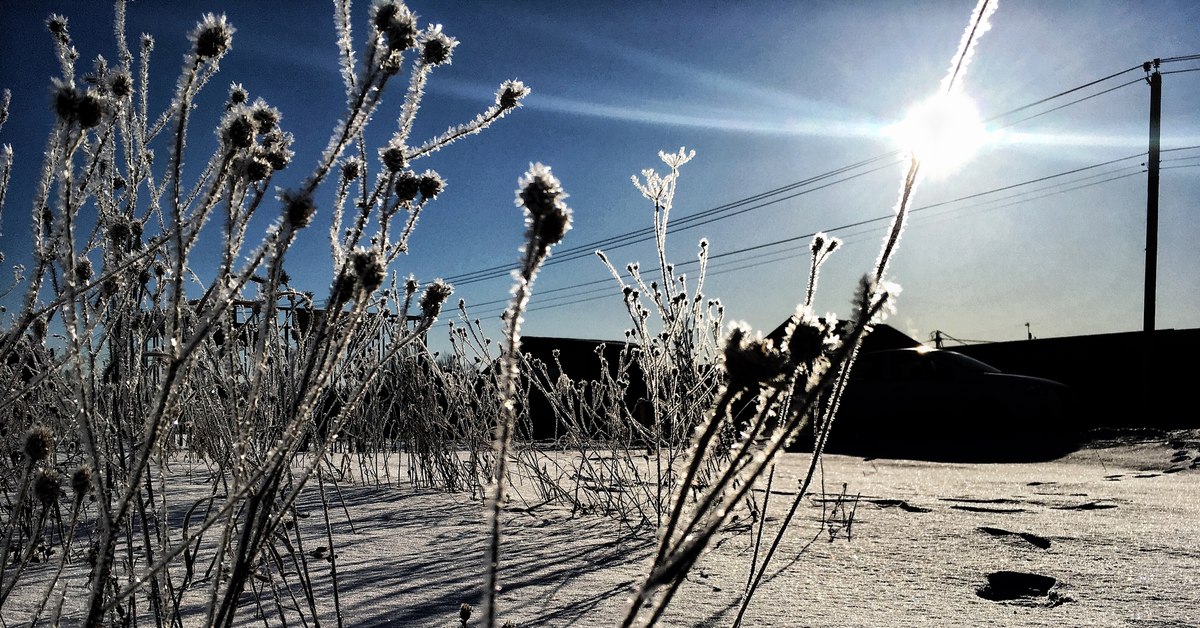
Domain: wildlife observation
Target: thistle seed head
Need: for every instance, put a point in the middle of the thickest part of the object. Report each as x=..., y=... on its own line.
x=541, y=194
x=277, y=149
x=393, y=157
x=351, y=168
x=238, y=129
x=750, y=360
x=48, y=487
x=368, y=268
x=237, y=96
x=430, y=185
x=81, y=482
x=254, y=167
x=408, y=185
x=121, y=85
x=83, y=270
x=119, y=232
x=539, y=191
x=510, y=94
x=212, y=36
x=436, y=46
x=57, y=25
x=73, y=105
x=266, y=117
x=396, y=23
x=298, y=208
x=39, y=442
x=434, y=296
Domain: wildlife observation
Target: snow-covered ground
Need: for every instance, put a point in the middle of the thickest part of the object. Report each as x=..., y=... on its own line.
x=1116, y=525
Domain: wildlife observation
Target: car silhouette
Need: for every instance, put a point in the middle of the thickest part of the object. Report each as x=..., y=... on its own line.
x=933, y=404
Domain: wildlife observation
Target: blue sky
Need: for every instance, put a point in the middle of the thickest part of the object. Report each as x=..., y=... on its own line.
x=768, y=93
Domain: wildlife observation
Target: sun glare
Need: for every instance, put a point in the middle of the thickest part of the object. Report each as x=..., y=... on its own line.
x=944, y=133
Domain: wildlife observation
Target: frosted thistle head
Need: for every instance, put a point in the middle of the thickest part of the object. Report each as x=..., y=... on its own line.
x=72, y=105
x=48, y=487
x=351, y=168
x=396, y=23
x=212, y=36
x=266, y=117
x=57, y=25
x=253, y=168
x=368, y=268
x=277, y=149
x=392, y=156
x=434, y=296
x=237, y=96
x=430, y=185
x=298, y=208
x=408, y=185
x=81, y=482
x=541, y=195
x=238, y=128
x=750, y=360
x=120, y=85
x=39, y=442
x=83, y=270
x=436, y=46
x=510, y=94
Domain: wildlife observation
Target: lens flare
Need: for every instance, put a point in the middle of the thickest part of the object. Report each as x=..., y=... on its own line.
x=943, y=133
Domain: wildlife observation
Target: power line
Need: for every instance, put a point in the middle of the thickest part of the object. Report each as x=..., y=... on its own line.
x=765, y=199
x=1015, y=199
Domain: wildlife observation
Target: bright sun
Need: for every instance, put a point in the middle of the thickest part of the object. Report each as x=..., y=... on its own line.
x=943, y=132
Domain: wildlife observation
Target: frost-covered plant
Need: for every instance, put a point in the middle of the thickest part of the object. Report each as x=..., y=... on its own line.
x=792, y=382
x=243, y=372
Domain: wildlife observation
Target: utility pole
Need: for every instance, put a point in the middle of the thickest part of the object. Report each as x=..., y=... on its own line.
x=1152, y=160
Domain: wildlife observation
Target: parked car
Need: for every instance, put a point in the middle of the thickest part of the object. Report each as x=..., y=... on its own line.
x=933, y=404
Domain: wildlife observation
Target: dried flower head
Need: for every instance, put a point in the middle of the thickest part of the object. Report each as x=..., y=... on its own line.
x=436, y=46
x=119, y=232
x=393, y=157
x=541, y=194
x=81, y=482
x=83, y=270
x=431, y=184
x=39, y=442
x=237, y=96
x=277, y=149
x=266, y=117
x=464, y=613
x=750, y=360
x=408, y=185
x=396, y=23
x=510, y=94
x=298, y=208
x=38, y=328
x=253, y=167
x=434, y=296
x=212, y=36
x=352, y=168
x=48, y=487
x=238, y=128
x=539, y=191
x=57, y=25
x=368, y=268
x=73, y=105
x=120, y=85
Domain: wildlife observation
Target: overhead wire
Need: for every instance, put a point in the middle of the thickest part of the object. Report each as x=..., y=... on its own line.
x=717, y=269
x=808, y=185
